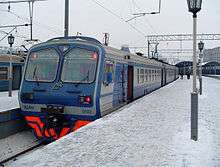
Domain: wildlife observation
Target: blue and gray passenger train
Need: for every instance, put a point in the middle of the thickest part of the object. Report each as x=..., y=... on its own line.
x=69, y=82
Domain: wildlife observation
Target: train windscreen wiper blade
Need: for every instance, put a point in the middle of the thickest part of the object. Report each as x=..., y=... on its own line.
x=35, y=75
x=85, y=78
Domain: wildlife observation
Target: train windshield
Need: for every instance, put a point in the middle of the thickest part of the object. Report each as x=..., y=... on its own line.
x=79, y=66
x=42, y=65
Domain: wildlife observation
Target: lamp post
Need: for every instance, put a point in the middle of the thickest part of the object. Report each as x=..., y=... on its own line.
x=194, y=7
x=200, y=46
x=11, y=39
x=66, y=20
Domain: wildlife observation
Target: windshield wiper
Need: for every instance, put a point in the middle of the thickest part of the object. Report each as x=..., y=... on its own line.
x=87, y=76
x=35, y=75
x=84, y=79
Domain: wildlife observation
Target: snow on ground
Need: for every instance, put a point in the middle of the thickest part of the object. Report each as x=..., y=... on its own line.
x=153, y=131
x=16, y=143
x=8, y=103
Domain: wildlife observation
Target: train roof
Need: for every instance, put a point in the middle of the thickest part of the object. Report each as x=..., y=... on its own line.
x=116, y=53
x=129, y=57
x=69, y=40
x=14, y=58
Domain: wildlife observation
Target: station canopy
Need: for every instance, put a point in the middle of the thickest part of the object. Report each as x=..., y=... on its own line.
x=184, y=64
x=210, y=63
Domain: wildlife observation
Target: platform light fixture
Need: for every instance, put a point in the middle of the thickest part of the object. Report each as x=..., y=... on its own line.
x=201, y=46
x=11, y=39
x=194, y=6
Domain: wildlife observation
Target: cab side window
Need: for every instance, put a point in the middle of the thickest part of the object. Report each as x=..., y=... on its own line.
x=108, y=76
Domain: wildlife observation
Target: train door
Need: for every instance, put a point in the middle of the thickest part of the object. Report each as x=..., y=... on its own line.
x=16, y=77
x=174, y=74
x=163, y=82
x=165, y=76
x=120, y=84
x=124, y=81
x=130, y=83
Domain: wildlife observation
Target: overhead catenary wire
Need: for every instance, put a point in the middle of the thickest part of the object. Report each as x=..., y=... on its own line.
x=7, y=34
x=16, y=35
x=132, y=7
x=18, y=1
x=145, y=19
x=99, y=4
x=105, y=8
x=36, y=23
x=119, y=17
x=124, y=20
x=23, y=18
x=30, y=3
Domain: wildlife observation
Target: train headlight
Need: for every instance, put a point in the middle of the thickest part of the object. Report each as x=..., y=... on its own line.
x=27, y=96
x=85, y=99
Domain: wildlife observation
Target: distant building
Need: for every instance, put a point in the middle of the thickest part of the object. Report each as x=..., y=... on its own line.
x=212, y=55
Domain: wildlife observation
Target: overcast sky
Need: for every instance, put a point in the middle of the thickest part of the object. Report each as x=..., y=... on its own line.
x=90, y=19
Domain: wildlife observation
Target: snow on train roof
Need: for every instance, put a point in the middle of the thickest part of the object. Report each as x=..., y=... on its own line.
x=69, y=40
x=133, y=57
x=121, y=55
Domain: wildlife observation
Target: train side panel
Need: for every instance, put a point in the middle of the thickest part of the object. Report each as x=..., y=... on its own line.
x=146, y=79
x=114, y=86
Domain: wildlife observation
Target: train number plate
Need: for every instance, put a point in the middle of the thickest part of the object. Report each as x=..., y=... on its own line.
x=53, y=109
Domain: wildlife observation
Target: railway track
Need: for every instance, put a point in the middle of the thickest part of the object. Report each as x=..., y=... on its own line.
x=20, y=153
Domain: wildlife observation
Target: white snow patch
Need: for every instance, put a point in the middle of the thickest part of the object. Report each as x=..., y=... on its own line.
x=8, y=103
x=153, y=131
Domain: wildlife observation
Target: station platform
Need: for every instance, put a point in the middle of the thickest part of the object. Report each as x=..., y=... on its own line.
x=8, y=103
x=152, y=131
x=213, y=76
x=11, y=120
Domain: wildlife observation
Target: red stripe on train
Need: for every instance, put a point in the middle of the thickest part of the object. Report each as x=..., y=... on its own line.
x=35, y=122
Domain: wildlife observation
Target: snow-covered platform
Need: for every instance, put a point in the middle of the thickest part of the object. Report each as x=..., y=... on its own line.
x=213, y=76
x=152, y=131
x=8, y=103
x=10, y=118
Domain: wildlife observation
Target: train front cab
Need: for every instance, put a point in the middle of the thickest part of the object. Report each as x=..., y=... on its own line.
x=59, y=91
